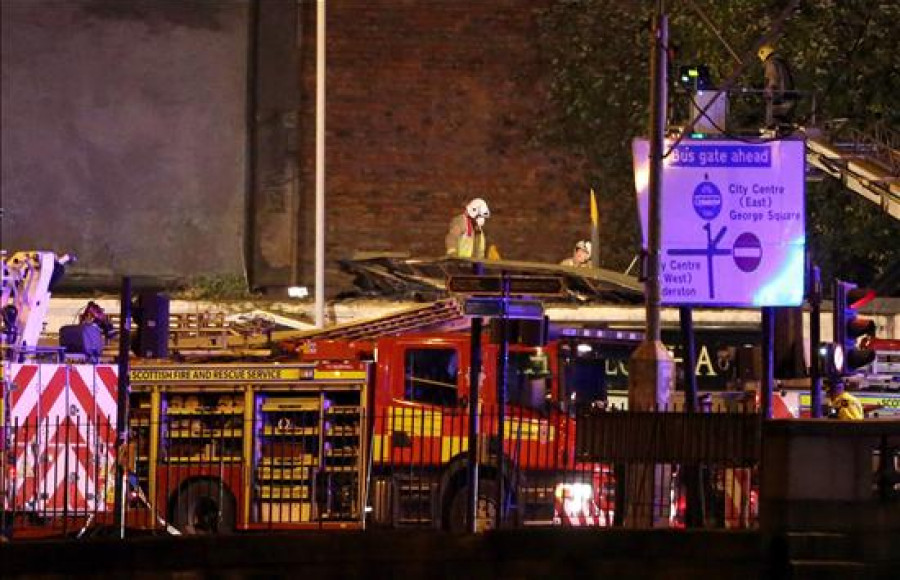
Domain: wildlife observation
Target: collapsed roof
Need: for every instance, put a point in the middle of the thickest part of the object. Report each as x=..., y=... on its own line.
x=397, y=276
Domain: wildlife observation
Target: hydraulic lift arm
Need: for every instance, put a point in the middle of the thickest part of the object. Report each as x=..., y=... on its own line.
x=27, y=279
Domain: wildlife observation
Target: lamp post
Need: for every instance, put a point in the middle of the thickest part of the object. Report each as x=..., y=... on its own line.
x=320, y=164
x=651, y=368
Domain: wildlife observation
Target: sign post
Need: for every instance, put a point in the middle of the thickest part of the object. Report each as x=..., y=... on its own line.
x=724, y=225
x=122, y=404
x=651, y=368
x=491, y=297
x=734, y=227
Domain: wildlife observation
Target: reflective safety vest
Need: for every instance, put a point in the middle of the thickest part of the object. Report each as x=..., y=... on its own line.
x=464, y=240
x=847, y=407
x=471, y=246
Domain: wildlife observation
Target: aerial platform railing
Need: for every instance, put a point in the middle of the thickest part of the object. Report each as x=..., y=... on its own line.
x=866, y=162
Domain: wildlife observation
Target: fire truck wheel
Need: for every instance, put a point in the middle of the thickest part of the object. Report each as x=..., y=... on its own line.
x=204, y=508
x=486, y=516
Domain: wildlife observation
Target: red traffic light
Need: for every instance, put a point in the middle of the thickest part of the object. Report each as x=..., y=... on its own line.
x=859, y=297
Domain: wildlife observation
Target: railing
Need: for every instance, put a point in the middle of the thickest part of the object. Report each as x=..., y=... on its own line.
x=739, y=112
x=703, y=466
x=189, y=476
x=879, y=142
x=57, y=475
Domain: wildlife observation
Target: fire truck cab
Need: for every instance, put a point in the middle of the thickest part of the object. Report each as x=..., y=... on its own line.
x=420, y=398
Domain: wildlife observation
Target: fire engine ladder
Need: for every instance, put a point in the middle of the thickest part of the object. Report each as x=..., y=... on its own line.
x=440, y=314
x=867, y=163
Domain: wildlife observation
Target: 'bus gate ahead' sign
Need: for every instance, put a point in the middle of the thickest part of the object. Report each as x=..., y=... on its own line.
x=733, y=222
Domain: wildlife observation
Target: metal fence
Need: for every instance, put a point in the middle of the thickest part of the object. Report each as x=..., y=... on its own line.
x=403, y=468
x=57, y=474
x=678, y=469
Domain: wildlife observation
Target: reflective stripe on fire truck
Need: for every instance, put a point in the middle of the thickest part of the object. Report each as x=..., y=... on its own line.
x=428, y=425
x=64, y=416
x=256, y=374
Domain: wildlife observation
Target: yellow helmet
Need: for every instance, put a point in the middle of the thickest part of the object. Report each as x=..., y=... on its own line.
x=765, y=51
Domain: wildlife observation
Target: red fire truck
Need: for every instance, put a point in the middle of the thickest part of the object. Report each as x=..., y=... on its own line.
x=365, y=428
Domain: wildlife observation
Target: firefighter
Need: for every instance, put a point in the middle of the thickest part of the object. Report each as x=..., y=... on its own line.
x=841, y=404
x=779, y=87
x=581, y=256
x=465, y=236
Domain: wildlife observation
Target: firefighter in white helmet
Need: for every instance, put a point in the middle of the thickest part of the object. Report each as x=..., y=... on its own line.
x=465, y=236
x=581, y=256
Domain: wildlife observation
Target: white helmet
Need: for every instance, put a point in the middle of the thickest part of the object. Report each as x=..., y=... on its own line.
x=477, y=210
x=584, y=245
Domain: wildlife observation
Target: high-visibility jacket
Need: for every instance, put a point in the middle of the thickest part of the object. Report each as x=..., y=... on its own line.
x=847, y=407
x=464, y=239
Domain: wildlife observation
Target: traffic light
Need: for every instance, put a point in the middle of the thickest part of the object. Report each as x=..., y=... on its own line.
x=830, y=359
x=849, y=326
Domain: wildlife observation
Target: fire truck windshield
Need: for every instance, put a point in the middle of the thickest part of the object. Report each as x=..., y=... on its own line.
x=432, y=376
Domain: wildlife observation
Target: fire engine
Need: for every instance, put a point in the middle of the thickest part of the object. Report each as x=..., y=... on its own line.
x=364, y=424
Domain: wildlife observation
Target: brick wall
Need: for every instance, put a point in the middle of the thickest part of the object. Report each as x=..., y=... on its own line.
x=431, y=103
x=124, y=134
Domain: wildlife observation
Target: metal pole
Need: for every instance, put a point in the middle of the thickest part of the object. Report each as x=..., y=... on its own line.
x=692, y=473
x=652, y=369
x=122, y=403
x=474, y=398
x=658, y=100
x=320, y=164
x=815, y=337
x=686, y=317
x=502, y=381
x=767, y=385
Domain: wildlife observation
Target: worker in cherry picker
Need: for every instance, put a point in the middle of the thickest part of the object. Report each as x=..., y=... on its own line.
x=581, y=256
x=841, y=404
x=778, y=91
x=465, y=236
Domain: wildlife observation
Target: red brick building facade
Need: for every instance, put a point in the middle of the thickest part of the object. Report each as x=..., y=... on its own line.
x=431, y=103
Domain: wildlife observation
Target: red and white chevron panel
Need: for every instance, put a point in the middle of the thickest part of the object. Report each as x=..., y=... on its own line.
x=63, y=432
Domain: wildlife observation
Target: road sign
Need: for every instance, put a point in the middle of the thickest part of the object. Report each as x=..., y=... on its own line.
x=496, y=306
x=733, y=221
x=518, y=285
